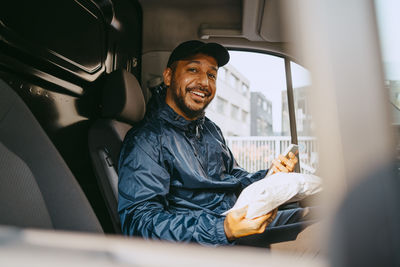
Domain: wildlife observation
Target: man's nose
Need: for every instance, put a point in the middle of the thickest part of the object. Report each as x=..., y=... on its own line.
x=203, y=79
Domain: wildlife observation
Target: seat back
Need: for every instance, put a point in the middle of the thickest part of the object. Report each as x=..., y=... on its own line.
x=123, y=104
x=37, y=189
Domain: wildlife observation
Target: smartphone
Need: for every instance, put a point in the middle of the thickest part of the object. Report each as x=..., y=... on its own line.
x=291, y=148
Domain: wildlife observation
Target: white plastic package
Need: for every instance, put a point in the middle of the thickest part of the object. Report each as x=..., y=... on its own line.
x=272, y=191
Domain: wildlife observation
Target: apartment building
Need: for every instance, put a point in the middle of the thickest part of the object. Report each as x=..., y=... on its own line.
x=230, y=109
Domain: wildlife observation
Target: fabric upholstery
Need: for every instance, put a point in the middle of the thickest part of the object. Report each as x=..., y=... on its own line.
x=18, y=188
x=66, y=203
x=123, y=97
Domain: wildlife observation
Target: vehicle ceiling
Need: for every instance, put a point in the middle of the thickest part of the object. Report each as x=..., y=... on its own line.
x=234, y=23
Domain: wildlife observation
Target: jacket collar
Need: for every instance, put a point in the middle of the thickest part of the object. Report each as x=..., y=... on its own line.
x=169, y=115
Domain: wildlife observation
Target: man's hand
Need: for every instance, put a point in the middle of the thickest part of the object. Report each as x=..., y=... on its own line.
x=284, y=164
x=236, y=225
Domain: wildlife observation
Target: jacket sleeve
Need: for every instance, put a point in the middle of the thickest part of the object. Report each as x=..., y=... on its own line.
x=235, y=170
x=143, y=205
x=245, y=177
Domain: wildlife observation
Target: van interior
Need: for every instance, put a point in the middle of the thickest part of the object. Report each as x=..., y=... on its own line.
x=75, y=76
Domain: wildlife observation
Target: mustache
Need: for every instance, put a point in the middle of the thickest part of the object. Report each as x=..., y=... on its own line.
x=199, y=88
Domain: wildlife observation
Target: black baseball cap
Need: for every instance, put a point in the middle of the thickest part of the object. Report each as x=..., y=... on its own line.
x=193, y=47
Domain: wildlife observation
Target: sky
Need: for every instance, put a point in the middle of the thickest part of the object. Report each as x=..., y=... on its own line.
x=388, y=16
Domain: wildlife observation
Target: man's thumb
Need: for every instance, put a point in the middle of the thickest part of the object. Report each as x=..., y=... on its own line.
x=241, y=213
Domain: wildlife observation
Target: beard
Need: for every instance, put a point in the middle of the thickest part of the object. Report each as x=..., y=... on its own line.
x=179, y=98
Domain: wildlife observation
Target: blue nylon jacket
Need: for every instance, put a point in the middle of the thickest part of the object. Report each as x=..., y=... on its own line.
x=176, y=177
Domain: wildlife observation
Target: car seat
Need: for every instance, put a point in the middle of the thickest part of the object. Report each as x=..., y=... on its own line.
x=123, y=104
x=37, y=189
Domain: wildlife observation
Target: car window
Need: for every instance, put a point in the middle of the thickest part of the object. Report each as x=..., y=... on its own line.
x=388, y=22
x=305, y=125
x=251, y=108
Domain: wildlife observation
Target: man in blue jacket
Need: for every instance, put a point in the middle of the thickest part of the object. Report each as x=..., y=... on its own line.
x=176, y=174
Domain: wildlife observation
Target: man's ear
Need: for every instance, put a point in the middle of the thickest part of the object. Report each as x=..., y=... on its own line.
x=167, y=74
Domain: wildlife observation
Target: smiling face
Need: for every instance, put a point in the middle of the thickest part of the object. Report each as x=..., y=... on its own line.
x=191, y=85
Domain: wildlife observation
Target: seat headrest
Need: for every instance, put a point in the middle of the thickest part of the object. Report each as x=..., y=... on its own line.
x=123, y=97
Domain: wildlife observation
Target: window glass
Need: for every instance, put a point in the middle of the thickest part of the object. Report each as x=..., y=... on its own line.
x=233, y=80
x=264, y=105
x=221, y=105
x=222, y=73
x=234, y=112
x=388, y=19
x=304, y=122
x=253, y=127
x=244, y=116
x=245, y=88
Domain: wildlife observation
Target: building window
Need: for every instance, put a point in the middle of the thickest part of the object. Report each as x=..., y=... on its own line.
x=221, y=105
x=244, y=116
x=233, y=80
x=234, y=112
x=269, y=128
x=222, y=73
x=259, y=126
x=264, y=105
x=245, y=88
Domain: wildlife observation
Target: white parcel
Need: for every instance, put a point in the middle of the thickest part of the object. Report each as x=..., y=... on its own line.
x=272, y=191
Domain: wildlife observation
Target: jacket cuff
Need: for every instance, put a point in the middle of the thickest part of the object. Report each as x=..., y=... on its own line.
x=220, y=232
x=254, y=177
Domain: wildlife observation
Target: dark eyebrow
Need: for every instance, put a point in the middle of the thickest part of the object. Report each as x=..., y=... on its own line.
x=198, y=62
x=193, y=61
